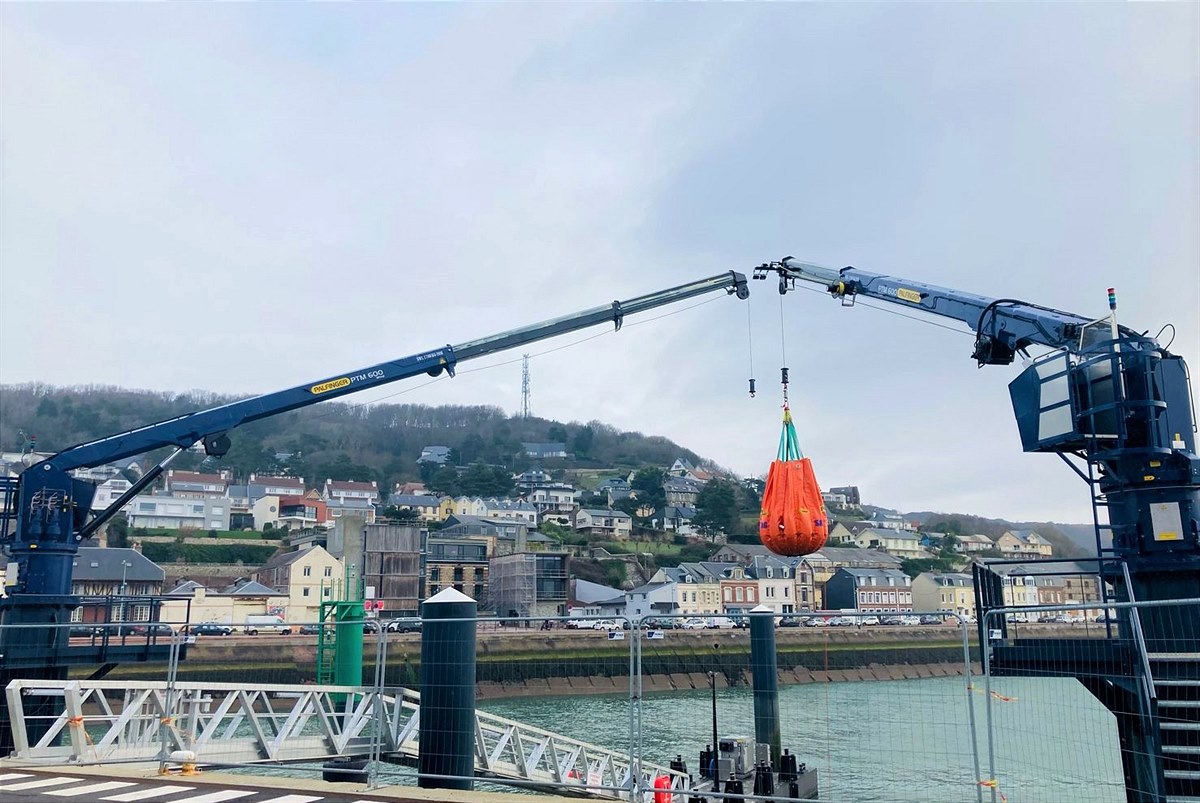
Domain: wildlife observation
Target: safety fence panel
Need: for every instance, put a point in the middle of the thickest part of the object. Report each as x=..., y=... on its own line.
x=553, y=706
x=871, y=706
x=1083, y=700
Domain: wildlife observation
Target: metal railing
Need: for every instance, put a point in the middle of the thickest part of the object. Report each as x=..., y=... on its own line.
x=597, y=706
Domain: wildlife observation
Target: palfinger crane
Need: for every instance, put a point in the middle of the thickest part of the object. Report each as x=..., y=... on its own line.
x=1117, y=408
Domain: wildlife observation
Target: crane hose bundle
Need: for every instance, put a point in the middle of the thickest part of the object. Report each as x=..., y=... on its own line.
x=793, y=520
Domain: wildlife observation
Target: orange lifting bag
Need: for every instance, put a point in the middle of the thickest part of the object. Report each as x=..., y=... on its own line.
x=793, y=520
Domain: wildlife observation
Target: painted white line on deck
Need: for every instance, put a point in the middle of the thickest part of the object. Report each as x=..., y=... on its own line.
x=12, y=776
x=292, y=799
x=215, y=797
x=59, y=781
x=146, y=794
x=90, y=789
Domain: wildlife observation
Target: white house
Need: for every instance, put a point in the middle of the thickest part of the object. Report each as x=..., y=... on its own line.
x=178, y=512
x=344, y=490
x=776, y=583
x=605, y=523
x=901, y=543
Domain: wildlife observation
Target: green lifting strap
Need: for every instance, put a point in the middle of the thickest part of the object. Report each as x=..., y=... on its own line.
x=789, y=444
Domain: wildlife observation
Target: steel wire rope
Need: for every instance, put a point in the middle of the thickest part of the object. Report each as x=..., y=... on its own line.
x=858, y=303
x=356, y=405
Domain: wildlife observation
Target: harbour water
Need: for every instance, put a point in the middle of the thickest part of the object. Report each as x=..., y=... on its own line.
x=881, y=740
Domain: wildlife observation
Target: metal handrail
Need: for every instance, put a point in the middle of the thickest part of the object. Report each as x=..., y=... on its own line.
x=1136, y=622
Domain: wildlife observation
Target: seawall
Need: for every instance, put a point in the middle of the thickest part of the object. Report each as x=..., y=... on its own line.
x=532, y=662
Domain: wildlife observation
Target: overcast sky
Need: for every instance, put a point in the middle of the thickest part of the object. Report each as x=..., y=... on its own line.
x=244, y=197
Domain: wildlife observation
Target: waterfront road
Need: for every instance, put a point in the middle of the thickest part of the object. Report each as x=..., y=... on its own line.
x=119, y=785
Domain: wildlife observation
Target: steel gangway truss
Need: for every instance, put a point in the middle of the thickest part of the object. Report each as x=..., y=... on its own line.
x=109, y=721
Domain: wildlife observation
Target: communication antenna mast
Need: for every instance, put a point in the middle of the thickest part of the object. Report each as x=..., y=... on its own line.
x=525, y=386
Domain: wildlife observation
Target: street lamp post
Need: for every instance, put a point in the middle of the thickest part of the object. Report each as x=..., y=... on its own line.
x=121, y=605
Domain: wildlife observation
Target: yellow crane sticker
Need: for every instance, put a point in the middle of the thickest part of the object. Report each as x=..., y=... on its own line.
x=908, y=295
x=332, y=384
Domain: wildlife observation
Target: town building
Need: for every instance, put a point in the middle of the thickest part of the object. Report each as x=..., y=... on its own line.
x=427, y=508
x=682, y=490
x=458, y=562
x=974, y=544
x=554, y=502
x=301, y=512
x=739, y=591
x=869, y=590
x=776, y=585
x=674, y=519
x=850, y=492
x=387, y=557
x=840, y=534
x=545, y=451
x=307, y=578
x=529, y=584
x=651, y=599
x=697, y=586
x=584, y=597
x=949, y=591
x=175, y=512
x=434, y=455
x=344, y=490
x=607, y=524
x=194, y=485
x=1024, y=544
x=514, y=509
x=358, y=508
x=192, y=602
x=901, y=543
x=824, y=562
x=278, y=486
x=741, y=554
x=99, y=572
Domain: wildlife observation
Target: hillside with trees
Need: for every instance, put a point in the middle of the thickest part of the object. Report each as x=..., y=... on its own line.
x=379, y=442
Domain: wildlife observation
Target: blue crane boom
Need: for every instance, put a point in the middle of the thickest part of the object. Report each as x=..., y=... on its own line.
x=52, y=507
x=1003, y=326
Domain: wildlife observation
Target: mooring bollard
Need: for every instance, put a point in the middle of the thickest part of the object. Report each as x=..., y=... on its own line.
x=447, y=743
x=764, y=672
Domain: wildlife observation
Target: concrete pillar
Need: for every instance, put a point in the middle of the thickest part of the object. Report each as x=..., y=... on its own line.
x=764, y=671
x=447, y=745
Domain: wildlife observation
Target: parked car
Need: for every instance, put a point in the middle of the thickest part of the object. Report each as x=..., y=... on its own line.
x=266, y=624
x=693, y=624
x=930, y=619
x=606, y=624
x=720, y=623
x=310, y=630
x=85, y=631
x=578, y=624
x=891, y=620
x=910, y=620
x=841, y=621
x=403, y=626
x=869, y=621
x=158, y=630
x=791, y=621
x=816, y=621
x=370, y=626
x=210, y=629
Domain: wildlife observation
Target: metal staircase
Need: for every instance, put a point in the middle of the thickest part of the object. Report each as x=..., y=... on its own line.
x=1177, y=683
